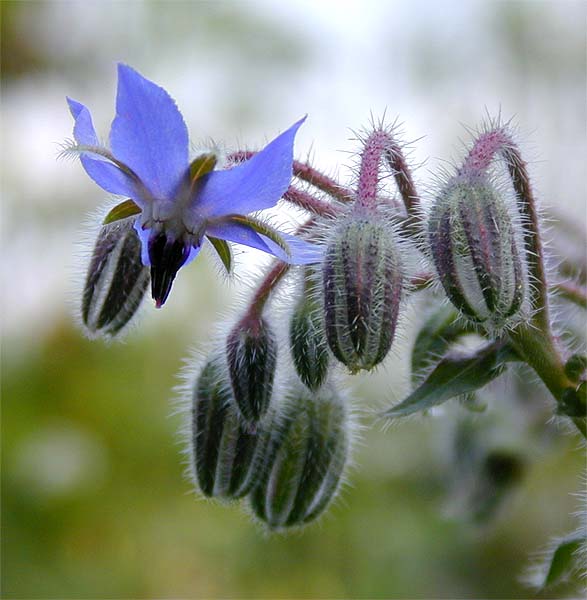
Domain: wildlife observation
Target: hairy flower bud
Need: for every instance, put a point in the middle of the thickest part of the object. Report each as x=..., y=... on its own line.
x=474, y=248
x=305, y=455
x=362, y=283
x=251, y=354
x=224, y=453
x=116, y=281
x=308, y=344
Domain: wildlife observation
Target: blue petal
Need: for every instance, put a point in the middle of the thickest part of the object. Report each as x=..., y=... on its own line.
x=107, y=175
x=254, y=185
x=149, y=133
x=144, y=235
x=301, y=251
x=83, y=130
x=110, y=178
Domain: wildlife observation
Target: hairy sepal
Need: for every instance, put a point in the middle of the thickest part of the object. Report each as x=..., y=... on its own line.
x=116, y=280
x=225, y=454
x=362, y=283
x=305, y=457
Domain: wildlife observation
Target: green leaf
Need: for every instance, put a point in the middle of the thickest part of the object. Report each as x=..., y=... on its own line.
x=440, y=330
x=224, y=252
x=456, y=374
x=563, y=560
x=262, y=229
x=121, y=211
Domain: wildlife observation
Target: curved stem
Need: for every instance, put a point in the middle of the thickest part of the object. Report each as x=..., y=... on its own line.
x=532, y=240
x=310, y=203
x=272, y=279
x=268, y=284
x=403, y=179
x=322, y=182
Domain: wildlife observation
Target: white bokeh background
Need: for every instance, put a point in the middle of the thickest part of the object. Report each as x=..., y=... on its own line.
x=243, y=71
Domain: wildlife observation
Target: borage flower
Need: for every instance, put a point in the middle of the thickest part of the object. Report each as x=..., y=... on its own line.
x=179, y=205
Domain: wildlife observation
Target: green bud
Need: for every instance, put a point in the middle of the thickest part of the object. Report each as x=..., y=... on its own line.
x=225, y=454
x=251, y=353
x=308, y=344
x=116, y=281
x=474, y=248
x=362, y=284
x=305, y=456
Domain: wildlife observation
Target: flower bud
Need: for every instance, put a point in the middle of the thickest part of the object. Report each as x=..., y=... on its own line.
x=308, y=344
x=116, y=280
x=474, y=248
x=362, y=283
x=305, y=455
x=251, y=354
x=224, y=453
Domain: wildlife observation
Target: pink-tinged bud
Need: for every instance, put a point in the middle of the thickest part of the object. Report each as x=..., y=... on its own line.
x=251, y=354
x=474, y=248
x=362, y=283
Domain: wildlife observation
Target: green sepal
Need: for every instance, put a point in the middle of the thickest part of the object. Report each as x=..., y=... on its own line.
x=202, y=165
x=262, y=229
x=456, y=374
x=563, y=561
x=223, y=250
x=121, y=211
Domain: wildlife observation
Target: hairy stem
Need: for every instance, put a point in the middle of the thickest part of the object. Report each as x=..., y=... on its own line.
x=403, y=179
x=540, y=350
x=310, y=203
x=272, y=279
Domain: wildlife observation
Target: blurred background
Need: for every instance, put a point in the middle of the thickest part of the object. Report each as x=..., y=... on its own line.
x=93, y=500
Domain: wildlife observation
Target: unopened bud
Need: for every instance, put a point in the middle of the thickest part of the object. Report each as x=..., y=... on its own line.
x=224, y=453
x=116, y=280
x=307, y=339
x=475, y=251
x=251, y=354
x=305, y=456
x=362, y=283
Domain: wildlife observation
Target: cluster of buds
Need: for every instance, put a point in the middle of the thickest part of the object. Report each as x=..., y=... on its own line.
x=272, y=426
x=289, y=465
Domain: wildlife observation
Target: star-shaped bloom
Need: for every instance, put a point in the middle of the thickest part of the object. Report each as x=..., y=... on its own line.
x=178, y=205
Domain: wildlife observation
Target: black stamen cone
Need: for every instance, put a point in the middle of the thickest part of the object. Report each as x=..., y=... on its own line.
x=167, y=256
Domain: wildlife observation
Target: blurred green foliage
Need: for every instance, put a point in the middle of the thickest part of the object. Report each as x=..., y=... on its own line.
x=94, y=503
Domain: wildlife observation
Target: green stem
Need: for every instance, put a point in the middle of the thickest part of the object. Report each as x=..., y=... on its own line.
x=539, y=349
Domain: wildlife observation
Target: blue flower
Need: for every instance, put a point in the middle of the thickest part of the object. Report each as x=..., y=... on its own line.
x=179, y=205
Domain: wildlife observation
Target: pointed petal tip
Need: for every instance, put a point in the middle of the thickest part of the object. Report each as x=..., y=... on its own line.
x=75, y=107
